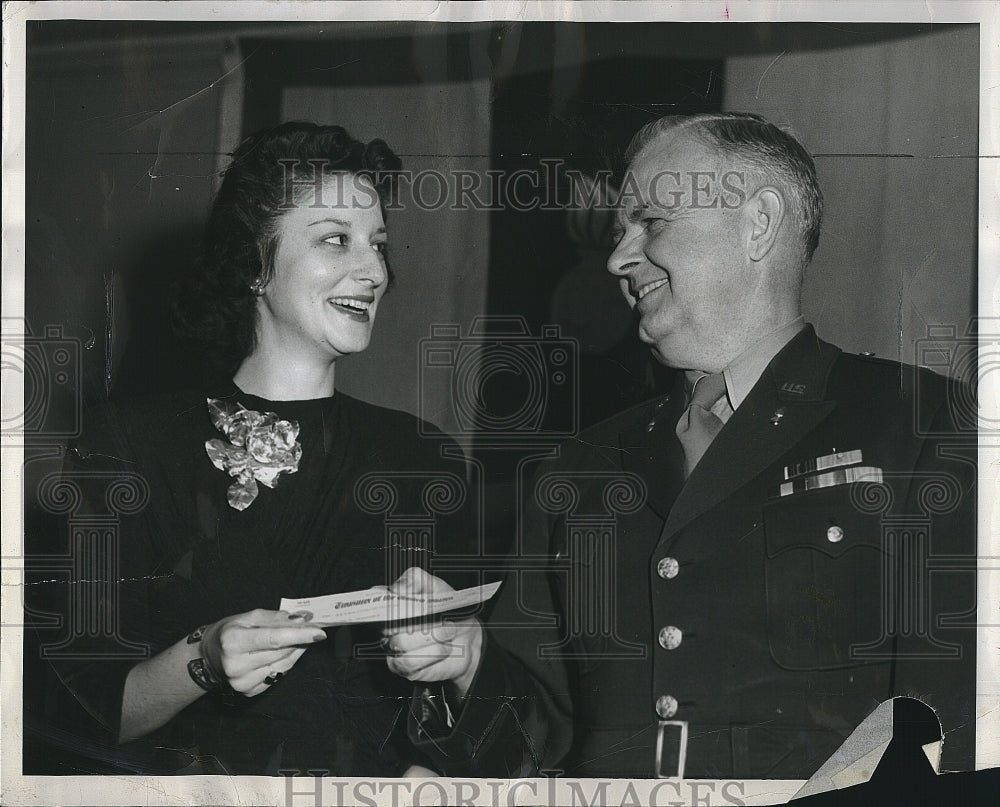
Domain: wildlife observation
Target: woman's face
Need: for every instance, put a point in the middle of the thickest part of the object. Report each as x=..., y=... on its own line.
x=329, y=273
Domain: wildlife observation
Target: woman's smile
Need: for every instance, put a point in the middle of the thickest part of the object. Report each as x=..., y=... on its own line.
x=355, y=307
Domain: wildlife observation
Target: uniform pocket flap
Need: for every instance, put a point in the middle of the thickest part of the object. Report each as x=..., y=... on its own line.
x=827, y=520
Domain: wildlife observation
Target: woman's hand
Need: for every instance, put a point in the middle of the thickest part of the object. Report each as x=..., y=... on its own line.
x=444, y=650
x=251, y=651
x=243, y=650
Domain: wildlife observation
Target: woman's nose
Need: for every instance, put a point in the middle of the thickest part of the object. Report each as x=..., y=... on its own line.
x=371, y=268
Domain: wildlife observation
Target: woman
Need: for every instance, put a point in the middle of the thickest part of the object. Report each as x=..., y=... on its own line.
x=261, y=488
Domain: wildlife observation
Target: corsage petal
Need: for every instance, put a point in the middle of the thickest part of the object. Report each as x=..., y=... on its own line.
x=267, y=475
x=217, y=452
x=261, y=448
x=241, y=495
x=221, y=411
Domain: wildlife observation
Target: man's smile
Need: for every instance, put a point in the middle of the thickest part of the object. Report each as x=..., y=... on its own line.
x=648, y=287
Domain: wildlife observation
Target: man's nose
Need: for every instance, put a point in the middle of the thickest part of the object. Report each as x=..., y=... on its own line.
x=625, y=257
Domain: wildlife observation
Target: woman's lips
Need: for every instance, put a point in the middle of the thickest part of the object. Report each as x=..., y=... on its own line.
x=354, y=307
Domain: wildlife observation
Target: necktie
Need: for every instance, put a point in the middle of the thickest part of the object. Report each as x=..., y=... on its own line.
x=698, y=426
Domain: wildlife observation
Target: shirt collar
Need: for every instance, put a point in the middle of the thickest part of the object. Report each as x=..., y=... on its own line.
x=745, y=370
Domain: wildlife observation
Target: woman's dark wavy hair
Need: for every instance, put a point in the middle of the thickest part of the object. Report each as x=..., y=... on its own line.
x=216, y=309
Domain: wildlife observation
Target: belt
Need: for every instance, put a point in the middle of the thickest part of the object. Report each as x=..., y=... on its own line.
x=675, y=748
x=665, y=763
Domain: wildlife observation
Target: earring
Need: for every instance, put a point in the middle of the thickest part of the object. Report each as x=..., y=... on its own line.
x=257, y=287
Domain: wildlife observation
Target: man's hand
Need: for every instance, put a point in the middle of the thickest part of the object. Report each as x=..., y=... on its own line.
x=443, y=650
x=252, y=650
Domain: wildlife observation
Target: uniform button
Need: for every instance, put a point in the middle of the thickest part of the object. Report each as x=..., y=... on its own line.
x=667, y=568
x=670, y=637
x=666, y=706
x=834, y=534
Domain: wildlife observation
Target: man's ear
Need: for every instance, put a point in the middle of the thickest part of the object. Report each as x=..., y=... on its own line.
x=764, y=212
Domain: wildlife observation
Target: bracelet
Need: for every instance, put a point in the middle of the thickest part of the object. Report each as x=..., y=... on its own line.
x=200, y=670
x=197, y=634
x=201, y=673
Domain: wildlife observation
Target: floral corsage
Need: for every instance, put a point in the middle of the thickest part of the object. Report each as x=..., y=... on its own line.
x=261, y=447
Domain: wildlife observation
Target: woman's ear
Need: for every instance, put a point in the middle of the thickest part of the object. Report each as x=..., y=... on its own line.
x=764, y=212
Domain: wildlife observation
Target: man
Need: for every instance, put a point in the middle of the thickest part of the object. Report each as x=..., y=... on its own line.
x=762, y=583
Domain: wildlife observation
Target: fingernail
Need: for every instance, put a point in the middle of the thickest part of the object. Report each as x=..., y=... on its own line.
x=305, y=616
x=296, y=617
x=319, y=637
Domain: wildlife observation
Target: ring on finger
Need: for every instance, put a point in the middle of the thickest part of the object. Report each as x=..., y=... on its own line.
x=272, y=677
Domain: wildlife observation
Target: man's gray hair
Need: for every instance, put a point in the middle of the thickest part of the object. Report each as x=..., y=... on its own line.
x=768, y=153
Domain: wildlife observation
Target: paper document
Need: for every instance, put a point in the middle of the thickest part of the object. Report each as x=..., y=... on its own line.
x=379, y=605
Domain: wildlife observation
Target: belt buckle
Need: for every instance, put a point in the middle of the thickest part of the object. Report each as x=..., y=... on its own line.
x=681, y=748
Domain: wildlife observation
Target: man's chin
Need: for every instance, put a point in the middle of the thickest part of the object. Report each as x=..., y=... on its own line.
x=661, y=358
x=662, y=354
x=670, y=354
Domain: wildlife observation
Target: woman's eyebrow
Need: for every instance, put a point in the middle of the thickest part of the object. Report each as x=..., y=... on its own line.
x=341, y=222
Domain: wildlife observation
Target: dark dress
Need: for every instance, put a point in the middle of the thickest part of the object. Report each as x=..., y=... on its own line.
x=371, y=496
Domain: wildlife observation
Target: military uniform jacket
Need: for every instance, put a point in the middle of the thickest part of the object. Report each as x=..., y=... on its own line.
x=763, y=626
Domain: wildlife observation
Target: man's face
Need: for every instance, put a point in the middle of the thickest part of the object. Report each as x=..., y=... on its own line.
x=680, y=253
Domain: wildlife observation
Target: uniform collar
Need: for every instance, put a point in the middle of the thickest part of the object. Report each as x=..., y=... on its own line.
x=743, y=372
x=801, y=369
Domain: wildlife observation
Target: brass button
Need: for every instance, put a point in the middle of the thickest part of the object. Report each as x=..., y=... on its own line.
x=671, y=637
x=667, y=568
x=666, y=706
x=835, y=534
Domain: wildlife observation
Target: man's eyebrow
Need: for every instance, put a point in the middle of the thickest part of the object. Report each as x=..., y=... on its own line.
x=636, y=213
